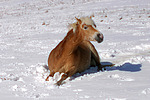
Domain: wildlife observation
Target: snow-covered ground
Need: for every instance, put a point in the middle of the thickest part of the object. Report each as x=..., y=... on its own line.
x=30, y=29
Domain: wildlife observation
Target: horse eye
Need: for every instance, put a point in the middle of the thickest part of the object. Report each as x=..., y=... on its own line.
x=85, y=27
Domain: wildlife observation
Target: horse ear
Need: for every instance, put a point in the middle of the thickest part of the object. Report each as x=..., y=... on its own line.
x=78, y=20
x=92, y=16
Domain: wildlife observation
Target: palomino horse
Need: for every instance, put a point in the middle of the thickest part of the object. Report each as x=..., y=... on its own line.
x=75, y=53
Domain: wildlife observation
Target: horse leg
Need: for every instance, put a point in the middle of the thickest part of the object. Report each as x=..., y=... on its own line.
x=100, y=67
x=95, y=59
x=66, y=75
x=95, y=62
x=50, y=75
x=63, y=77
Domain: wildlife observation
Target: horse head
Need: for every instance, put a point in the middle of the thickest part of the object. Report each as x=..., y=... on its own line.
x=88, y=29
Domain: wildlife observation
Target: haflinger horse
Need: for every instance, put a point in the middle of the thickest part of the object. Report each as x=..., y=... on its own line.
x=75, y=53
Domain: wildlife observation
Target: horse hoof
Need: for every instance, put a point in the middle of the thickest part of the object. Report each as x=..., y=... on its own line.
x=58, y=84
x=101, y=69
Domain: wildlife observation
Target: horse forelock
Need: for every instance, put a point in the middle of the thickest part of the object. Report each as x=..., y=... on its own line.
x=85, y=20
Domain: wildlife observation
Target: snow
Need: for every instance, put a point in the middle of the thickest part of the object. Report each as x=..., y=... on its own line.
x=30, y=29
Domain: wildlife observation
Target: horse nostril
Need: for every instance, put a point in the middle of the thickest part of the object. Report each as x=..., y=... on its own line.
x=98, y=35
x=99, y=38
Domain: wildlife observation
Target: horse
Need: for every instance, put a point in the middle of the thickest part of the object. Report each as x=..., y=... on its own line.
x=75, y=53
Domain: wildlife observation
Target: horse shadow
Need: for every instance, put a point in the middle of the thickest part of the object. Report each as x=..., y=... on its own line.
x=126, y=67
x=129, y=67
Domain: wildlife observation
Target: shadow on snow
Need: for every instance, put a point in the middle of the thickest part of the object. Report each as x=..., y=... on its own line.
x=125, y=67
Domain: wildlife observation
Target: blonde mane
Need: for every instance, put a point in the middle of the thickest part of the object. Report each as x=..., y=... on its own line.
x=85, y=20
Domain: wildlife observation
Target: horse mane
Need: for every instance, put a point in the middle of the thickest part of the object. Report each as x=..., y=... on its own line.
x=85, y=20
x=72, y=28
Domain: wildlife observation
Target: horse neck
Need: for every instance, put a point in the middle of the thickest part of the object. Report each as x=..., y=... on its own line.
x=72, y=41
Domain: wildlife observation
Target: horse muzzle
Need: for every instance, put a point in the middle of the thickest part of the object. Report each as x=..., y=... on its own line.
x=99, y=37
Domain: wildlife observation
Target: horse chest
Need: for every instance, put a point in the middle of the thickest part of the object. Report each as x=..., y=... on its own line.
x=83, y=59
